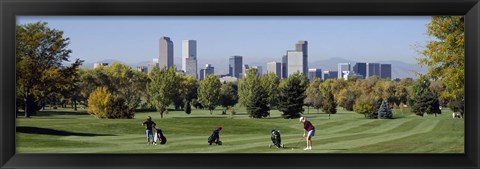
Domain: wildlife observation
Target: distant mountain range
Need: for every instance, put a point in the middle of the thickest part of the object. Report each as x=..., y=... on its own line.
x=399, y=69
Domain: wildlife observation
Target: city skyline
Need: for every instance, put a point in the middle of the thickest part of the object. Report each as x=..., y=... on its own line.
x=295, y=61
x=391, y=37
x=298, y=62
x=364, y=39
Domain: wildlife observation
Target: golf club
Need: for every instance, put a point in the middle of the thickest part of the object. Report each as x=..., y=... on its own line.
x=298, y=143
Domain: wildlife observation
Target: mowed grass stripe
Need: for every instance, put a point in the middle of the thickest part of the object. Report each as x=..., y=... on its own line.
x=389, y=129
x=441, y=138
x=423, y=127
x=346, y=126
x=381, y=127
x=323, y=140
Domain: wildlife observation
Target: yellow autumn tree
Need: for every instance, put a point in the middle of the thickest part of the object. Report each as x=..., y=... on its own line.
x=98, y=102
x=444, y=56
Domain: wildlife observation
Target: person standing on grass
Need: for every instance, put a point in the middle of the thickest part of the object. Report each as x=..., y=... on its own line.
x=309, y=132
x=149, y=124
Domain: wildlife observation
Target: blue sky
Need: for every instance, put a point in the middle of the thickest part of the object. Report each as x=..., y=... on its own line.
x=135, y=39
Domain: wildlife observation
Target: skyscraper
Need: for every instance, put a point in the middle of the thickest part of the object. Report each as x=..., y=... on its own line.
x=235, y=66
x=209, y=70
x=296, y=62
x=373, y=69
x=328, y=74
x=202, y=74
x=189, y=57
x=191, y=67
x=165, y=57
x=302, y=46
x=275, y=68
x=361, y=69
x=314, y=73
x=284, y=67
x=341, y=68
x=386, y=71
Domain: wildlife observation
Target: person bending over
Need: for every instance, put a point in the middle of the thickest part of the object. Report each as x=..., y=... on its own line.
x=309, y=131
x=215, y=137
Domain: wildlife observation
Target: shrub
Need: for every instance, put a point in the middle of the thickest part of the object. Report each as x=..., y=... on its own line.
x=102, y=104
x=231, y=112
x=98, y=102
x=367, y=105
x=118, y=109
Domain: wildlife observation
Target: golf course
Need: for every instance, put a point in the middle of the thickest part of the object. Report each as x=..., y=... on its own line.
x=68, y=131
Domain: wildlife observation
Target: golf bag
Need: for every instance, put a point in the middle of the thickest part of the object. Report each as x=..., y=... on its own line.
x=159, y=137
x=276, y=139
x=213, y=138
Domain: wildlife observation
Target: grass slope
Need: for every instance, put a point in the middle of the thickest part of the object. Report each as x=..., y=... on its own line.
x=64, y=131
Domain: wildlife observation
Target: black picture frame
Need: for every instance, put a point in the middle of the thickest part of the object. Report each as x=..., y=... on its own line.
x=9, y=9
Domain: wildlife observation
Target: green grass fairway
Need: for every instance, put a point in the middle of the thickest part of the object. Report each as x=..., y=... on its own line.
x=65, y=131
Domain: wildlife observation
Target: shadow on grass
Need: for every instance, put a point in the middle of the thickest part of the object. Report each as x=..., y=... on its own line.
x=204, y=117
x=276, y=117
x=53, y=113
x=46, y=131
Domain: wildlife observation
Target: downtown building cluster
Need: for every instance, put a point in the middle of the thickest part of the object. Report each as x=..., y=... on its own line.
x=360, y=70
x=293, y=61
x=190, y=63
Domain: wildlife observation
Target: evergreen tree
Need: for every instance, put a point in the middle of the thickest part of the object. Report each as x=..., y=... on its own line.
x=384, y=112
x=188, y=108
x=255, y=95
x=257, y=104
x=424, y=100
x=292, y=96
x=329, y=104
